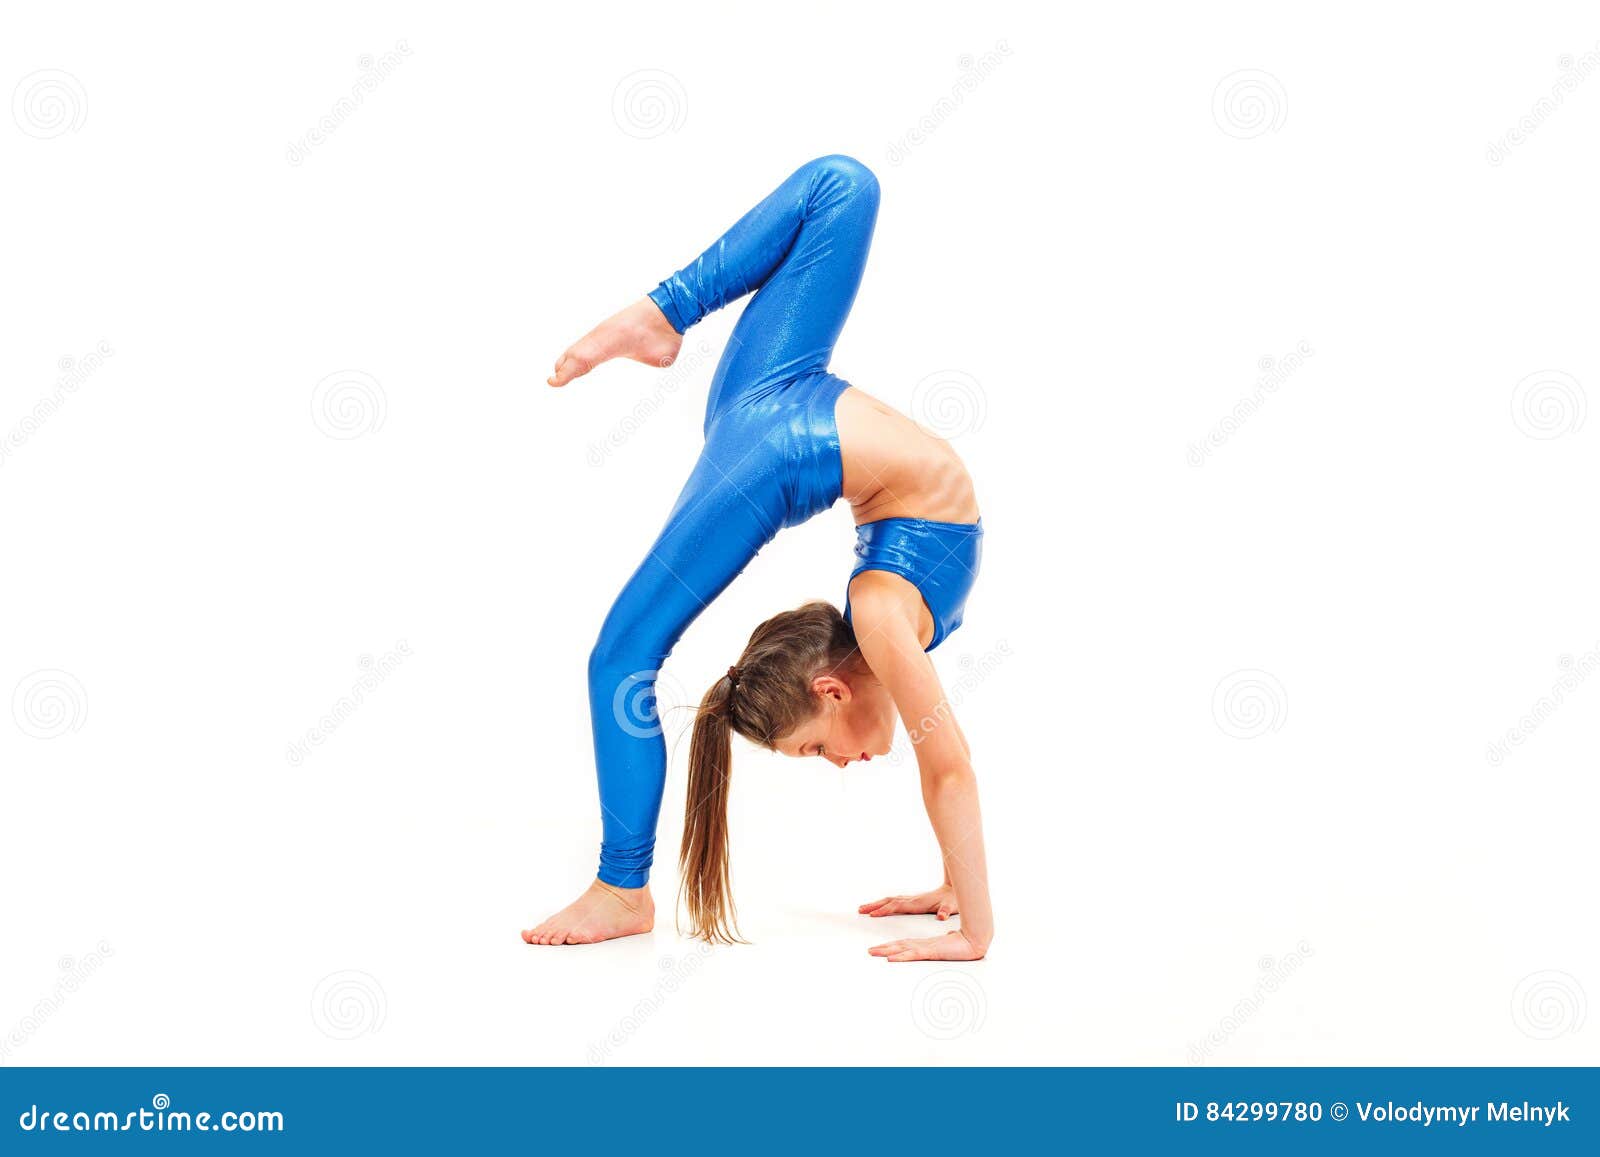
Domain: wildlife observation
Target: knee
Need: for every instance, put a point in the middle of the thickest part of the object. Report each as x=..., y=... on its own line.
x=620, y=657
x=846, y=175
x=610, y=658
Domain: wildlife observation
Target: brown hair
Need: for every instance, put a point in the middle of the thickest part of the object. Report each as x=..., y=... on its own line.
x=764, y=697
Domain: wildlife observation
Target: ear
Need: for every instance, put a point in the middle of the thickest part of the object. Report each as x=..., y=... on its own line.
x=831, y=687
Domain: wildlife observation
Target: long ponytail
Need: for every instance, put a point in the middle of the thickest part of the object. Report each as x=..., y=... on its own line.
x=764, y=698
x=703, y=859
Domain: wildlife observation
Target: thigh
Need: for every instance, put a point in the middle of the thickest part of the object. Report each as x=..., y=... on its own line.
x=794, y=320
x=726, y=512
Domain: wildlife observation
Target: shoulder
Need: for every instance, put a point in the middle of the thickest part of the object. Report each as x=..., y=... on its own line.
x=887, y=609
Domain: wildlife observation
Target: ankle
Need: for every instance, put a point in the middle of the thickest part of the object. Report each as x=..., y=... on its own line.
x=632, y=898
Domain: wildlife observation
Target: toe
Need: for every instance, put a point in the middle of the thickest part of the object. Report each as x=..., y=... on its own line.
x=570, y=366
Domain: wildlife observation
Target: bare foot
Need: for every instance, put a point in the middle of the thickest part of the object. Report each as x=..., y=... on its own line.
x=640, y=332
x=601, y=913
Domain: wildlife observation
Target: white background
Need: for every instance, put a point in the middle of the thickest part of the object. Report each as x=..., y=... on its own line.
x=1104, y=245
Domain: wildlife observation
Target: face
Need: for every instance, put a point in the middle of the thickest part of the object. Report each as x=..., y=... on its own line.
x=855, y=721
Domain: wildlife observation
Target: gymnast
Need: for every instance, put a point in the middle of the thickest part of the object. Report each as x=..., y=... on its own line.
x=784, y=440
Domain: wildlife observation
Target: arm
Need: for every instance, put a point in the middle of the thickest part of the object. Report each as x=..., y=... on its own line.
x=886, y=621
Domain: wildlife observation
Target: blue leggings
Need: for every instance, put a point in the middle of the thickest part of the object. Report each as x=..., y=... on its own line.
x=770, y=460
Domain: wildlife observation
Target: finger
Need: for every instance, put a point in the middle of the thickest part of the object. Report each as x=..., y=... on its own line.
x=944, y=913
x=908, y=954
x=886, y=949
x=874, y=904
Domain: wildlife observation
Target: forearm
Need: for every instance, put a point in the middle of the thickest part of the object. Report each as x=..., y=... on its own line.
x=951, y=797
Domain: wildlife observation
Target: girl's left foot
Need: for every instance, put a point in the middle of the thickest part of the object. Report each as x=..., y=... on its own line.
x=603, y=912
x=641, y=332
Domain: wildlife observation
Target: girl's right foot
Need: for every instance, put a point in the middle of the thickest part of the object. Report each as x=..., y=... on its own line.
x=640, y=332
x=601, y=913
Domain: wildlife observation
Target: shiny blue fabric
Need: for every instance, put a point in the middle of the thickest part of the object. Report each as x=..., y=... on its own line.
x=939, y=558
x=770, y=460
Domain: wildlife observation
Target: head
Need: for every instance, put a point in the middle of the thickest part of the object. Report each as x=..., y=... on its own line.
x=801, y=689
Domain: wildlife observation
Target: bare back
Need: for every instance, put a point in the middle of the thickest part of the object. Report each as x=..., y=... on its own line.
x=893, y=468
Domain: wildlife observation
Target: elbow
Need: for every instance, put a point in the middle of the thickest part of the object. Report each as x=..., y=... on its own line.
x=951, y=779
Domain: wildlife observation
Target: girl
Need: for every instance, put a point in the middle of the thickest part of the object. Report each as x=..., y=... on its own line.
x=784, y=439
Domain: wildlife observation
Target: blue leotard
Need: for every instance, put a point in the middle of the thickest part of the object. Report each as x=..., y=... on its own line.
x=770, y=460
x=939, y=558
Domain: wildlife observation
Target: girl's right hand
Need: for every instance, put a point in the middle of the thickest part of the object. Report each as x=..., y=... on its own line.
x=940, y=902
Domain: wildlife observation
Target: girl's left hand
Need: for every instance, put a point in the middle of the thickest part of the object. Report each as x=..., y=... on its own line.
x=950, y=946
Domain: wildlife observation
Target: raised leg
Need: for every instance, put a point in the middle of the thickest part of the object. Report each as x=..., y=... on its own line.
x=802, y=251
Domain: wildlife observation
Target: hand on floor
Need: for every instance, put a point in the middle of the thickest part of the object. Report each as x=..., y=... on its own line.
x=940, y=902
x=950, y=946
